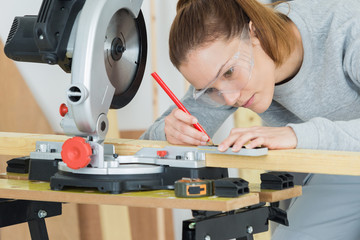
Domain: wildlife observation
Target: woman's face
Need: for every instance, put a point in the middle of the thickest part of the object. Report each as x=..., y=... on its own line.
x=251, y=88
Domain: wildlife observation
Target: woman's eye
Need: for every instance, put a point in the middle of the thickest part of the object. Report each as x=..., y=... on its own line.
x=210, y=90
x=229, y=72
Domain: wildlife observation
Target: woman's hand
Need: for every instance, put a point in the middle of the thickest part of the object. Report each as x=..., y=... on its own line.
x=179, y=129
x=270, y=137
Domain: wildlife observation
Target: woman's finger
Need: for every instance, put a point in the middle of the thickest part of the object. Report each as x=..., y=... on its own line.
x=179, y=129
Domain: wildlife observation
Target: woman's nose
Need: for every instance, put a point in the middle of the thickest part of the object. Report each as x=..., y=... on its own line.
x=231, y=97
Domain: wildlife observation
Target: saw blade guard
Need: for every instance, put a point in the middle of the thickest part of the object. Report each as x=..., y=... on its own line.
x=109, y=56
x=125, y=52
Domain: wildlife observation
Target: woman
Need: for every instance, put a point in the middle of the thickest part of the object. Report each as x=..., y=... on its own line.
x=298, y=67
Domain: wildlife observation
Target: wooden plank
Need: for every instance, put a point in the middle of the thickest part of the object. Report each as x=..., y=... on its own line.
x=244, y=117
x=154, y=58
x=31, y=190
x=168, y=218
x=115, y=222
x=296, y=160
x=21, y=144
x=89, y=222
x=144, y=224
x=267, y=195
x=131, y=134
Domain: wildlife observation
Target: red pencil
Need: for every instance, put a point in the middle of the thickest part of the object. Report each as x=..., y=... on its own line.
x=177, y=102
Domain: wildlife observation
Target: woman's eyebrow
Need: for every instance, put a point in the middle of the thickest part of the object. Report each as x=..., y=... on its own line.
x=217, y=74
x=222, y=66
x=213, y=79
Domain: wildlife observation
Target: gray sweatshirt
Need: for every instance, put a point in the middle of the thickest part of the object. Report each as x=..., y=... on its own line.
x=321, y=103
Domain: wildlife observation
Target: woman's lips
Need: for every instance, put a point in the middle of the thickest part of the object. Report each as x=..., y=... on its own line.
x=249, y=102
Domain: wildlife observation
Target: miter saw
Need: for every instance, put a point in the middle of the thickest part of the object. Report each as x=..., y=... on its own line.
x=103, y=44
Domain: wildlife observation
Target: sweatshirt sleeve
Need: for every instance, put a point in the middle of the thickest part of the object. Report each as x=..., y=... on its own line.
x=321, y=133
x=210, y=118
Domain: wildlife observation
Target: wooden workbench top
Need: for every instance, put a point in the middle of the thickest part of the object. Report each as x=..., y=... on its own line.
x=296, y=160
x=40, y=191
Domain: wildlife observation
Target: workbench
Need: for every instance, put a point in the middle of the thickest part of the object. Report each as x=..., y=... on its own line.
x=16, y=186
x=316, y=161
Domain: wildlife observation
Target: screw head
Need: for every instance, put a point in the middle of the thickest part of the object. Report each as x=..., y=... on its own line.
x=192, y=225
x=249, y=229
x=43, y=148
x=42, y=213
x=207, y=237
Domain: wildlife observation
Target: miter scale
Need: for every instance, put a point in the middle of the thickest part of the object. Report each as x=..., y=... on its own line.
x=103, y=44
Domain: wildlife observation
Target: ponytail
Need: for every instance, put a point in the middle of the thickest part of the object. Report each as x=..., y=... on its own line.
x=272, y=28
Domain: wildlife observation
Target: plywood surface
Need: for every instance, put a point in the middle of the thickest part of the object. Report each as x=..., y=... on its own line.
x=265, y=195
x=24, y=189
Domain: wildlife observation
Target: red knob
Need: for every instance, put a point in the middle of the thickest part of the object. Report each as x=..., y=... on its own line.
x=161, y=153
x=63, y=109
x=76, y=153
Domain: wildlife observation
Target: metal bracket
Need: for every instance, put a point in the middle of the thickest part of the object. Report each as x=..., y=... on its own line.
x=33, y=212
x=240, y=224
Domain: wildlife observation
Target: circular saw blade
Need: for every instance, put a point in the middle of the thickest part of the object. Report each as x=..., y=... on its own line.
x=125, y=55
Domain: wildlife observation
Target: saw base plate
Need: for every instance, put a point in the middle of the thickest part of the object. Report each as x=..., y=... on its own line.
x=140, y=182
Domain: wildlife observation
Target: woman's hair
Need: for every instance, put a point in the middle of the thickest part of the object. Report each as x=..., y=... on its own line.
x=200, y=22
